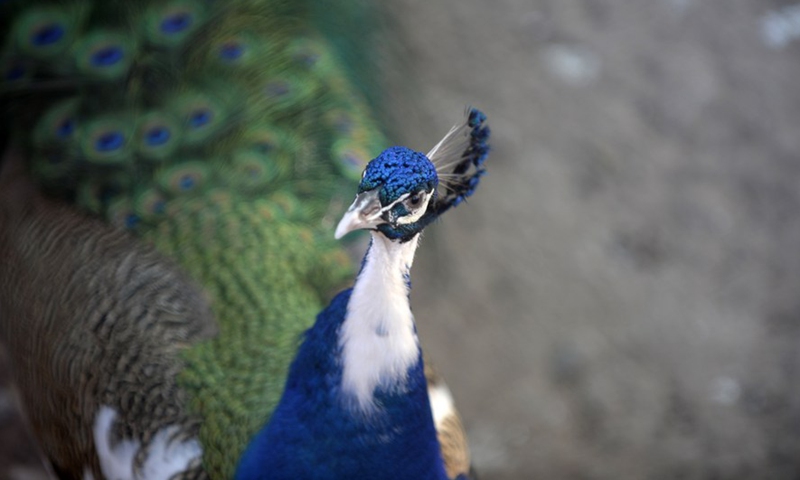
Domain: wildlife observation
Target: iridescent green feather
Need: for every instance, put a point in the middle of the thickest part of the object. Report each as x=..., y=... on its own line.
x=108, y=139
x=170, y=24
x=45, y=32
x=158, y=136
x=105, y=54
x=263, y=278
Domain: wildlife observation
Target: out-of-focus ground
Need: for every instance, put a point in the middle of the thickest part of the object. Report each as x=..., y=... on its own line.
x=621, y=298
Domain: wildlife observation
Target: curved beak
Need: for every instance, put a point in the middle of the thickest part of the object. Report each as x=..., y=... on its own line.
x=364, y=213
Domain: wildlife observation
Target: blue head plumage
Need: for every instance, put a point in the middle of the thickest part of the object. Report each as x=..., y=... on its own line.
x=398, y=171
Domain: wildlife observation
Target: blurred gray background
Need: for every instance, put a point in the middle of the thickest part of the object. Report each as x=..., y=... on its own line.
x=621, y=298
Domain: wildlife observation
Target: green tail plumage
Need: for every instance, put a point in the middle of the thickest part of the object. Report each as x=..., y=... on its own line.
x=160, y=87
x=222, y=132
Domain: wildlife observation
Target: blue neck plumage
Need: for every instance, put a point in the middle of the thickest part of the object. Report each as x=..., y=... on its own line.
x=355, y=403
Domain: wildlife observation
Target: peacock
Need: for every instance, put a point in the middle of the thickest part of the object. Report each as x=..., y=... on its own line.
x=356, y=399
x=171, y=176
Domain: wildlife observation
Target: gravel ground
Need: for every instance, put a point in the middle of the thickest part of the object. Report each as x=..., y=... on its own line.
x=621, y=298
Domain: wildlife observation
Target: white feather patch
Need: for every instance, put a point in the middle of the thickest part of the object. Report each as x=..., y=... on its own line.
x=442, y=405
x=377, y=337
x=165, y=457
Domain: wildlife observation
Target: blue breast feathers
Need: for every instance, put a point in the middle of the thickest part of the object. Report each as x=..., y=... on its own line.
x=316, y=433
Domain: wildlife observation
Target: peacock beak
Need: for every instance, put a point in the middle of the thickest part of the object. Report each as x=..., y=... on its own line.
x=364, y=213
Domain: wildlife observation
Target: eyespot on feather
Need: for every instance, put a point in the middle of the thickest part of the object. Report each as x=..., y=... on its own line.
x=201, y=116
x=288, y=91
x=150, y=204
x=170, y=24
x=107, y=139
x=59, y=124
x=184, y=178
x=250, y=171
x=158, y=135
x=105, y=54
x=44, y=32
x=121, y=214
x=350, y=158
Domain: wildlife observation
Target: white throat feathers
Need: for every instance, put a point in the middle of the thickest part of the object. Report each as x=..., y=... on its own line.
x=377, y=338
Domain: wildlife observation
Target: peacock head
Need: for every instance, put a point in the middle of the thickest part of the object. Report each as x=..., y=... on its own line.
x=402, y=191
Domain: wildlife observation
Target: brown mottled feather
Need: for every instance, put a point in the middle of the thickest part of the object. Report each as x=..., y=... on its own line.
x=451, y=434
x=114, y=315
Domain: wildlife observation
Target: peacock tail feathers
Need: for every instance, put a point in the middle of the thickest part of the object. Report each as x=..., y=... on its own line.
x=228, y=134
x=153, y=88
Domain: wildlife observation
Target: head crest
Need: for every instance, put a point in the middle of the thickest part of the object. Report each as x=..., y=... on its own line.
x=459, y=159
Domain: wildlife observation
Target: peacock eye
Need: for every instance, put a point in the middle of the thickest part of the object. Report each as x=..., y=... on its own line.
x=414, y=200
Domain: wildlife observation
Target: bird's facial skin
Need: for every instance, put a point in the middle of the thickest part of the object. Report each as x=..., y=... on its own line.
x=395, y=220
x=394, y=195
